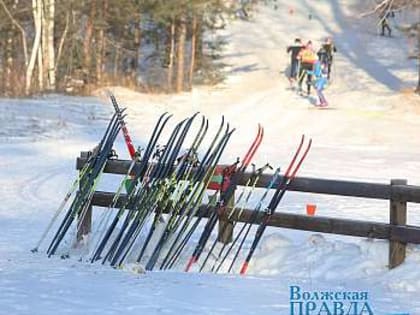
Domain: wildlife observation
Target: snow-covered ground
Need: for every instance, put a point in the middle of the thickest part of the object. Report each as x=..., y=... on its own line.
x=370, y=134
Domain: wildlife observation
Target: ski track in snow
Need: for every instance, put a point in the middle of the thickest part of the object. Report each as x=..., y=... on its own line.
x=364, y=138
x=40, y=182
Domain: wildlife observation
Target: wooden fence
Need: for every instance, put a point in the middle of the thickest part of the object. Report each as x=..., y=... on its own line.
x=397, y=192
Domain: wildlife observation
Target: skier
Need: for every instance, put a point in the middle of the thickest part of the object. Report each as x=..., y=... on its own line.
x=294, y=62
x=307, y=59
x=320, y=81
x=384, y=22
x=325, y=55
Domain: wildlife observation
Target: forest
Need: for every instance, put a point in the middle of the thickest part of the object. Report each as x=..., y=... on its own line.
x=75, y=46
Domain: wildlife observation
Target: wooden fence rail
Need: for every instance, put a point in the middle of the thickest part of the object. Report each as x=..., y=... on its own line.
x=407, y=193
x=397, y=192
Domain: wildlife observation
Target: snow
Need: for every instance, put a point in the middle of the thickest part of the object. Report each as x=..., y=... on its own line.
x=370, y=135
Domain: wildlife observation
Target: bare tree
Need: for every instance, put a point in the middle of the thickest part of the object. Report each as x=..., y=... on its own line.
x=413, y=31
x=388, y=5
x=384, y=6
x=21, y=30
x=180, y=55
x=87, y=42
x=48, y=44
x=100, y=40
x=35, y=45
x=171, y=56
x=193, y=49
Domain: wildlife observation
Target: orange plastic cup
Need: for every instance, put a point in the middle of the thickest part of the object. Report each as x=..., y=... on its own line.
x=310, y=209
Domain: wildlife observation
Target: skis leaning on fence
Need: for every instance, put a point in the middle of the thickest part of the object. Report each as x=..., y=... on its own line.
x=165, y=199
x=281, y=189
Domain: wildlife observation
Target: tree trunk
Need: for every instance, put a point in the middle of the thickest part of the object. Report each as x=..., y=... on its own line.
x=87, y=48
x=418, y=82
x=2, y=64
x=418, y=60
x=21, y=29
x=41, y=74
x=171, y=56
x=137, y=44
x=44, y=41
x=35, y=46
x=99, y=51
x=50, y=12
x=9, y=62
x=180, y=56
x=10, y=52
x=62, y=40
x=198, y=43
x=101, y=44
x=40, y=69
x=116, y=62
x=193, y=47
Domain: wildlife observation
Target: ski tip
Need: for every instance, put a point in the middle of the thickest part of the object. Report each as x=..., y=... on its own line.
x=109, y=93
x=244, y=268
x=190, y=262
x=227, y=127
x=182, y=121
x=260, y=130
x=302, y=139
x=195, y=115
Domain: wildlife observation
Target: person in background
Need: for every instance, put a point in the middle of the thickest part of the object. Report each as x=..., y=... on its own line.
x=294, y=62
x=319, y=73
x=325, y=55
x=307, y=58
x=385, y=23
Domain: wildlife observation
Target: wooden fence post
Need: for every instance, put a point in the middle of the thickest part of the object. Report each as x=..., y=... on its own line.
x=225, y=233
x=84, y=226
x=398, y=216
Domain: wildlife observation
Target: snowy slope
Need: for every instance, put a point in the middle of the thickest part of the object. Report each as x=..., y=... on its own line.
x=370, y=135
